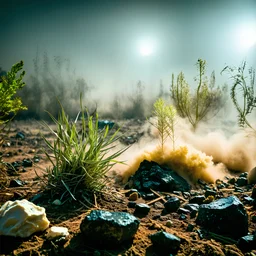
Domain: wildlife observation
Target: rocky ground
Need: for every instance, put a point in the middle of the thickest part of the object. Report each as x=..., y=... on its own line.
x=25, y=179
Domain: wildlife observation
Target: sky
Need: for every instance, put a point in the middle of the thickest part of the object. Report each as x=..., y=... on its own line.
x=113, y=44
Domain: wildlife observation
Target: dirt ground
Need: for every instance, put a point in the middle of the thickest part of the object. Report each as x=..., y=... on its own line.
x=70, y=214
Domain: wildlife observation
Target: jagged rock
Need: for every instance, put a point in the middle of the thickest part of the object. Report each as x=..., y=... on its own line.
x=150, y=175
x=226, y=216
x=109, y=228
x=165, y=242
x=22, y=218
x=172, y=205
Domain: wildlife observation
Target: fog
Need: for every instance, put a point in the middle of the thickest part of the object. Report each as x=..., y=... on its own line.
x=101, y=39
x=122, y=54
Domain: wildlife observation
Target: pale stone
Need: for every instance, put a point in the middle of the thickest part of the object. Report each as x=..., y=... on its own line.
x=56, y=232
x=22, y=218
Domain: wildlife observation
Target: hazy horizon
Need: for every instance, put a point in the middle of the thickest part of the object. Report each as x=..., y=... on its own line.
x=102, y=39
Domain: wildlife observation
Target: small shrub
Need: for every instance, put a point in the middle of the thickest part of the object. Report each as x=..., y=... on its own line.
x=9, y=85
x=206, y=100
x=240, y=84
x=80, y=157
x=166, y=120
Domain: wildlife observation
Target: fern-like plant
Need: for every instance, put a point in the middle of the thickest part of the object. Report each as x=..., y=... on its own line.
x=206, y=100
x=165, y=121
x=9, y=85
x=247, y=89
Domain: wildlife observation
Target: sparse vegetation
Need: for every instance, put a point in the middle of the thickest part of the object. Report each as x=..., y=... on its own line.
x=10, y=83
x=52, y=79
x=206, y=102
x=247, y=89
x=165, y=123
x=80, y=157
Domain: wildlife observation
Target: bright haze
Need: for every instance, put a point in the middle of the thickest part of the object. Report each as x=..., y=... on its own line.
x=113, y=44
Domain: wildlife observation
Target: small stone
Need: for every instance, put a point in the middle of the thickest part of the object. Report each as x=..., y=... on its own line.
x=190, y=227
x=20, y=135
x=131, y=204
x=133, y=197
x=241, y=181
x=168, y=223
x=27, y=163
x=56, y=233
x=109, y=228
x=141, y=209
x=246, y=243
x=210, y=192
x=183, y=210
x=197, y=199
x=182, y=216
x=165, y=242
x=172, y=205
x=16, y=183
x=232, y=181
x=57, y=202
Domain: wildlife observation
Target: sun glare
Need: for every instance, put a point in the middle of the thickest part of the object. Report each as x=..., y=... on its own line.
x=247, y=36
x=146, y=48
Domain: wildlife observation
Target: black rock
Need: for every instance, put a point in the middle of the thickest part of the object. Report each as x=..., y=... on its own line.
x=226, y=216
x=109, y=228
x=190, y=227
x=191, y=207
x=244, y=175
x=165, y=242
x=27, y=163
x=16, y=183
x=131, y=204
x=183, y=211
x=210, y=192
x=248, y=200
x=247, y=243
x=172, y=205
x=150, y=175
x=103, y=123
x=182, y=216
x=131, y=191
x=142, y=209
x=197, y=200
x=20, y=135
x=241, y=181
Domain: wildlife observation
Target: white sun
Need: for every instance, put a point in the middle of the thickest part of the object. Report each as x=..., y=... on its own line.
x=247, y=36
x=146, y=48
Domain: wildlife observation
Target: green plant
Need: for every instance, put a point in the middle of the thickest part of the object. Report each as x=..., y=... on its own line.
x=248, y=103
x=206, y=100
x=166, y=120
x=80, y=157
x=9, y=85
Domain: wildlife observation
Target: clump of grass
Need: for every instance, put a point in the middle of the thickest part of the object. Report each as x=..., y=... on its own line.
x=81, y=155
